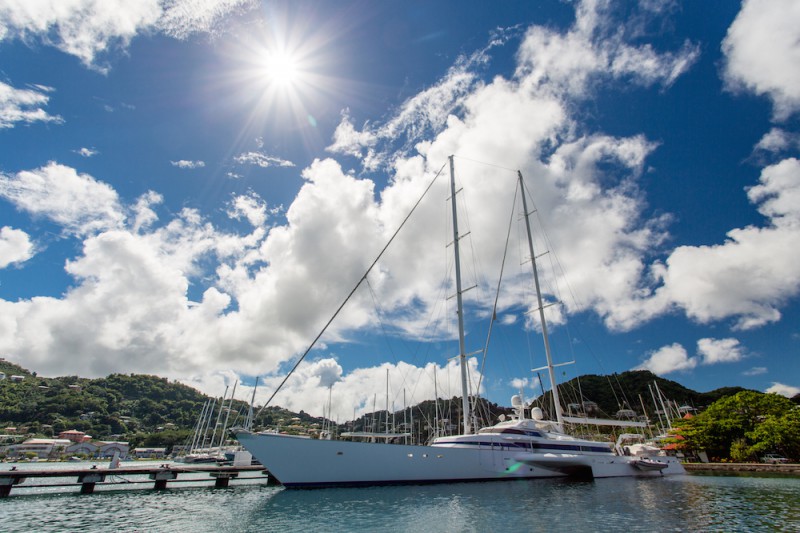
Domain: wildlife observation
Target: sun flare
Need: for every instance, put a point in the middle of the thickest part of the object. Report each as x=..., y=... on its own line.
x=281, y=68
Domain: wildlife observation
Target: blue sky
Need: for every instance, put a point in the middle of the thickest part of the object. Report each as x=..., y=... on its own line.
x=191, y=188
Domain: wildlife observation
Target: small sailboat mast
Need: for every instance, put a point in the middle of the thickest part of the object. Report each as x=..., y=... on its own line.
x=462, y=357
x=540, y=303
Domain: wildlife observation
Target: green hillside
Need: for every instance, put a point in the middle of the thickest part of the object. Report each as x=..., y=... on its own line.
x=150, y=410
x=623, y=391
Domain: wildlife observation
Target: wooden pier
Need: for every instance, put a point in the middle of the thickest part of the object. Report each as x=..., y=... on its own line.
x=158, y=476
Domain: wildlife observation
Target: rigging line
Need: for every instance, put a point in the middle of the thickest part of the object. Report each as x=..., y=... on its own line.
x=350, y=295
x=484, y=163
x=497, y=293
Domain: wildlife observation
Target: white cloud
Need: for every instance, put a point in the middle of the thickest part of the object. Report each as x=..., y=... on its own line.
x=593, y=49
x=755, y=371
x=778, y=140
x=251, y=207
x=784, y=390
x=75, y=201
x=82, y=28
x=715, y=351
x=262, y=160
x=762, y=50
x=86, y=152
x=88, y=29
x=672, y=358
x=181, y=18
x=24, y=105
x=183, y=163
x=753, y=273
x=15, y=246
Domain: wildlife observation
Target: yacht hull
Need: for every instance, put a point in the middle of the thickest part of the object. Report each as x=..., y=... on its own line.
x=310, y=463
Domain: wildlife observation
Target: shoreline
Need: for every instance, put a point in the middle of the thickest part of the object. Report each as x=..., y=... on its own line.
x=739, y=468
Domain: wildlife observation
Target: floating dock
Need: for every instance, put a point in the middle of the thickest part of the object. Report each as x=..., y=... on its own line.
x=158, y=476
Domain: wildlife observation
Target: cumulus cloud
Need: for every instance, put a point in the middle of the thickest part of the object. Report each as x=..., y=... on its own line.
x=75, y=201
x=784, y=390
x=674, y=358
x=24, y=105
x=762, y=51
x=15, y=246
x=88, y=29
x=250, y=207
x=749, y=276
x=183, y=163
x=715, y=351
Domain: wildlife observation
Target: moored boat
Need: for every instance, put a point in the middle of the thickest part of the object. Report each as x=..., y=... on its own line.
x=526, y=446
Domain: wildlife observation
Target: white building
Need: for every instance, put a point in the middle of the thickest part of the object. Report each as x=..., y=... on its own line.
x=149, y=453
x=43, y=448
x=82, y=448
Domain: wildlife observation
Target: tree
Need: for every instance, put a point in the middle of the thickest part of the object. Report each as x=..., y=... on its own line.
x=743, y=426
x=778, y=434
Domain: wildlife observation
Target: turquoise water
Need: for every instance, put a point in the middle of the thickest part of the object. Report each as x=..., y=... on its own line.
x=675, y=503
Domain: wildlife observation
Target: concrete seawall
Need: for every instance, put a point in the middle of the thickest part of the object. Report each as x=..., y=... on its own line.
x=733, y=468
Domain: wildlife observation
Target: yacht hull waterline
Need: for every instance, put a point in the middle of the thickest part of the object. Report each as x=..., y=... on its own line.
x=298, y=462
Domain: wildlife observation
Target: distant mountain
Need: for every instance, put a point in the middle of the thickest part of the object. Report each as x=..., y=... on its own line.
x=623, y=391
x=114, y=405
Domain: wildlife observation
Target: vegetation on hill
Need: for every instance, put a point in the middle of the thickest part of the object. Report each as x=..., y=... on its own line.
x=743, y=427
x=139, y=409
x=623, y=391
x=153, y=411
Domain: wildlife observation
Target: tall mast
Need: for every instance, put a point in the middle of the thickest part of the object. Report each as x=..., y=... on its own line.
x=462, y=357
x=249, y=422
x=227, y=415
x=550, y=371
x=387, y=400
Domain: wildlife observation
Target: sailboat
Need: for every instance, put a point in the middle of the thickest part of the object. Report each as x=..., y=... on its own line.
x=524, y=446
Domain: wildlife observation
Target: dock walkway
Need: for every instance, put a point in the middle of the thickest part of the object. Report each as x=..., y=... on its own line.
x=158, y=476
x=732, y=468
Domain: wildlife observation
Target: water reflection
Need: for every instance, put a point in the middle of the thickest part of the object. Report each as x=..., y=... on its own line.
x=675, y=503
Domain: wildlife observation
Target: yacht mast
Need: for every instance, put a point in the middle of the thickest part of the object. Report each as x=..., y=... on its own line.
x=462, y=357
x=249, y=421
x=550, y=371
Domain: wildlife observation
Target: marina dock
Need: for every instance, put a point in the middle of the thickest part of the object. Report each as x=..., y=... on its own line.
x=159, y=476
x=738, y=468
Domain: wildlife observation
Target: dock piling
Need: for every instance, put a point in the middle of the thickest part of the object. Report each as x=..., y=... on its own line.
x=161, y=477
x=88, y=481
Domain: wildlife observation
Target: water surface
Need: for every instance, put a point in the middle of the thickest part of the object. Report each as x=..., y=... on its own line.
x=674, y=503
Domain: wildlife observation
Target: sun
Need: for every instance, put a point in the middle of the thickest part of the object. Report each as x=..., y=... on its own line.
x=281, y=68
